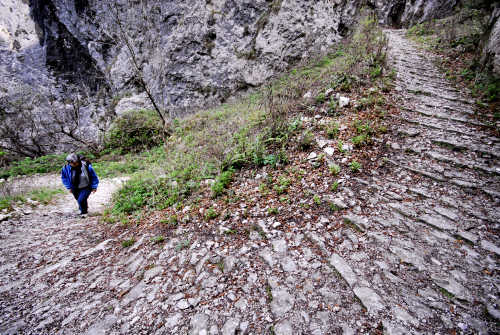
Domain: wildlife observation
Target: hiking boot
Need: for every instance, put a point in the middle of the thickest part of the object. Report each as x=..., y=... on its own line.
x=83, y=216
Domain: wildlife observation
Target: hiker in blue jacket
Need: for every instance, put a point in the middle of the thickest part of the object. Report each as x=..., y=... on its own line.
x=80, y=179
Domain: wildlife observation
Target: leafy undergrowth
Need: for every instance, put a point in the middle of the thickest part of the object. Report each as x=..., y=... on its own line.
x=30, y=166
x=458, y=40
x=265, y=149
x=34, y=197
x=109, y=164
x=134, y=131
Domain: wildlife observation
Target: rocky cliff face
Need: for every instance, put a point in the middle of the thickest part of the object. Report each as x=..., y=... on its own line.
x=190, y=53
x=404, y=13
x=491, y=50
x=198, y=52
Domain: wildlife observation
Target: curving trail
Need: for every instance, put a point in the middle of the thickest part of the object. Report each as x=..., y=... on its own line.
x=41, y=254
x=419, y=253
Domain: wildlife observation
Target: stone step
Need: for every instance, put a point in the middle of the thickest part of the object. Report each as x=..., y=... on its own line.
x=434, y=175
x=427, y=85
x=394, y=288
x=459, y=109
x=408, y=67
x=457, y=158
x=361, y=289
x=462, y=140
x=493, y=150
x=449, y=108
x=443, y=115
x=415, y=68
x=459, y=179
x=437, y=173
x=443, y=125
x=425, y=88
x=411, y=63
x=435, y=81
x=469, y=164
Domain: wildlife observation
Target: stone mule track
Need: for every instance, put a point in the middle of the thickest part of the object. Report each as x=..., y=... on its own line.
x=418, y=253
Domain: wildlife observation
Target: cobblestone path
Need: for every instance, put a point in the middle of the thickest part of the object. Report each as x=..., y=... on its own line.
x=418, y=253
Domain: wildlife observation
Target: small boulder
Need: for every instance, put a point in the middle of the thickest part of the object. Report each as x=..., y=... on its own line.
x=329, y=151
x=312, y=156
x=344, y=101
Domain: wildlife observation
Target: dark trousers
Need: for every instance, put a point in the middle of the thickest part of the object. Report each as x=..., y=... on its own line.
x=81, y=196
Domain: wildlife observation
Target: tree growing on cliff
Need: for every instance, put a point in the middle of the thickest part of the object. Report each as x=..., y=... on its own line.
x=123, y=26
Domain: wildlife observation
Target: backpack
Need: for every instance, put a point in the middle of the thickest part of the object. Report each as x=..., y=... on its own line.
x=83, y=158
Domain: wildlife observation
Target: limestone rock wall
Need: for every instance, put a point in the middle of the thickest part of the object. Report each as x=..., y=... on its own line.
x=195, y=53
x=409, y=12
x=491, y=51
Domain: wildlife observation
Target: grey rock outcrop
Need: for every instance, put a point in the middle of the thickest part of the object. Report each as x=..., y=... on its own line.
x=491, y=51
x=407, y=13
x=195, y=53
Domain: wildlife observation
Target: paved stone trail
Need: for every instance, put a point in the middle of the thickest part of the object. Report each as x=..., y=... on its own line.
x=419, y=253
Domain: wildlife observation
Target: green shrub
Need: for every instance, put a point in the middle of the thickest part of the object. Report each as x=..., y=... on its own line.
x=334, y=186
x=355, y=166
x=135, y=131
x=222, y=182
x=360, y=140
x=272, y=211
x=334, y=169
x=145, y=191
x=333, y=207
x=282, y=186
x=332, y=106
x=340, y=146
x=42, y=195
x=133, y=196
x=211, y=214
x=344, y=82
x=419, y=30
x=29, y=166
x=158, y=239
x=332, y=130
x=111, y=169
x=7, y=202
x=128, y=243
x=294, y=125
x=184, y=244
x=270, y=160
x=306, y=141
x=320, y=98
x=376, y=71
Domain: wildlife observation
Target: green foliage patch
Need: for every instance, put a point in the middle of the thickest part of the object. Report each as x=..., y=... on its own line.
x=222, y=182
x=128, y=243
x=29, y=166
x=42, y=195
x=134, y=131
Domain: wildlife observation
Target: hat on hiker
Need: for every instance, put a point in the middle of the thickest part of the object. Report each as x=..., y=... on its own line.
x=72, y=158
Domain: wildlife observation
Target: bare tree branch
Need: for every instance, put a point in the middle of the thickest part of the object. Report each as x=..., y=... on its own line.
x=133, y=58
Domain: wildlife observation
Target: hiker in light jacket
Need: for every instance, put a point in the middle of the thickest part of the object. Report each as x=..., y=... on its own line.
x=80, y=179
